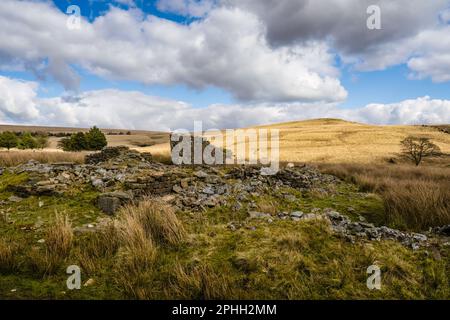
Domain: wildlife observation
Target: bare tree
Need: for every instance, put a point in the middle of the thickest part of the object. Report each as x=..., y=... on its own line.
x=418, y=148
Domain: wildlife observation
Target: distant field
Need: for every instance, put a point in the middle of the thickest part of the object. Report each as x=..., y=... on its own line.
x=319, y=141
x=136, y=139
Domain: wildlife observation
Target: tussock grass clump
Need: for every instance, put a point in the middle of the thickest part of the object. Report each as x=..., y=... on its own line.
x=8, y=254
x=138, y=248
x=137, y=253
x=140, y=228
x=414, y=198
x=43, y=262
x=201, y=282
x=60, y=236
x=14, y=158
x=156, y=219
x=4, y=217
x=422, y=205
x=291, y=242
x=97, y=247
x=162, y=158
x=58, y=244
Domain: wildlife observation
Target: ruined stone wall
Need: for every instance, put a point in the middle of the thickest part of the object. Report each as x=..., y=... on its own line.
x=194, y=139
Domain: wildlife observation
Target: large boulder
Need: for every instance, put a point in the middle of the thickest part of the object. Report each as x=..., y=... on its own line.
x=110, y=202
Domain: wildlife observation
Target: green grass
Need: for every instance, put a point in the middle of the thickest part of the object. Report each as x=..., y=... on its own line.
x=259, y=260
x=8, y=178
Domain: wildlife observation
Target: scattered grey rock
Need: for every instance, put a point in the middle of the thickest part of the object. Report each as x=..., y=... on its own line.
x=110, y=202
x=177, y=189
x=97, y=183
x=237, y=206
x=208, y=190
x=310, y=216
x=200, y=174
x=290, y=165
x=290, y=197
x=343, y=226
x=259, y=215
x=268, y=171
x=15, y=199
x=296, y=215
x=444, y=230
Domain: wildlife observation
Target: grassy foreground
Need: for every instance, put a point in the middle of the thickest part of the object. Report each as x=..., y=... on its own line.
x=149, y=251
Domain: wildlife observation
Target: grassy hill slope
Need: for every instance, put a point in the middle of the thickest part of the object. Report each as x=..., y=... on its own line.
x=332, y=140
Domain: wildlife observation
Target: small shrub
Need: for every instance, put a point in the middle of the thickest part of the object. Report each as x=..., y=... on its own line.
x=8, y=140
x=42, y=141
x=95, y=139
x=27, y=141
x=92, y=140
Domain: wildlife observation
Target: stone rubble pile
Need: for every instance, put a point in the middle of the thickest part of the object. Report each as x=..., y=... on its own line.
x=350, y=230
x=123, y=176
x=119, y=169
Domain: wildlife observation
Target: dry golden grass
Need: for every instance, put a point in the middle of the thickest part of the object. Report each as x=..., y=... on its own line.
x=338, y=141
x=414, y=197
x=140, y=228
x=334, y=141
x=114, y=136
x=202, y=282
x=160, y=152
x=58, y=244
x=14, y=158
x=135, y=257
x=157, y=219
x=59, y=237
x=138, y=140
x=267, y=206
x=138, y=248
x=8, y=253
x=321, y=140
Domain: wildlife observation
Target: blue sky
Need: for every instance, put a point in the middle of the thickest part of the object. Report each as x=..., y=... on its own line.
x=386, y=86
x=236, y=57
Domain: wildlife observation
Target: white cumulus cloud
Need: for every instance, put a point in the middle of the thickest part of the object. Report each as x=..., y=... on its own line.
x=226, y=49
x=113, y=108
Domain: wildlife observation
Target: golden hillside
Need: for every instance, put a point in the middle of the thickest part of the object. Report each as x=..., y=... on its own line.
x=320, y=140
x=334, y=140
